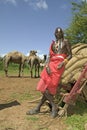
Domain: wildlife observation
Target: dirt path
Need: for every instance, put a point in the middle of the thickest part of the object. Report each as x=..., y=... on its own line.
x=15, y=94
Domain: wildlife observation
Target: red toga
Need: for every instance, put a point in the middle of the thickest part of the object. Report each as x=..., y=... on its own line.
x=51, y=81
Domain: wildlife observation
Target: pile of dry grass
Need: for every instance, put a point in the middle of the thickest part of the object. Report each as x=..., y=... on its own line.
x=75, y=66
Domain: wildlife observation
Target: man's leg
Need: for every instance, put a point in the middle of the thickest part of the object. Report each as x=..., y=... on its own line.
x=36, y=110
x=49, y=97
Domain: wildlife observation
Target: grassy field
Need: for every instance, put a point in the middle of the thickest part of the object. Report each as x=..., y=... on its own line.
x=14, y=69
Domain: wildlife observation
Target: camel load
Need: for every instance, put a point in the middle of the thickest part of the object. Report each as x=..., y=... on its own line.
x=76, y=70
x=76, y=64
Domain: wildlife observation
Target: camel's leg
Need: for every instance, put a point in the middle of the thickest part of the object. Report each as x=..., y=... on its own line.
x=35, y=71
x=31, y=70
x=5, y=65
x=19, y=70
x=38, y=71
x=22, y=69
x=6, y=68
x=31, y=73
x=6, y=72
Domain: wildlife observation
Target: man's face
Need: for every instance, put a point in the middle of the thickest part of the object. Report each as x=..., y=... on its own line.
x=59, y=34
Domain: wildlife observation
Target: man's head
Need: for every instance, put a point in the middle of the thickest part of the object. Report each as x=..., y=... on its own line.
x=59, y=33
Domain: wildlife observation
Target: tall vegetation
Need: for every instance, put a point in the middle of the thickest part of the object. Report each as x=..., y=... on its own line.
x=1, y=63
x=77, y=31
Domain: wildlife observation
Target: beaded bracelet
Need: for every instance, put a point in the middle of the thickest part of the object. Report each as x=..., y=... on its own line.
x=65, y=61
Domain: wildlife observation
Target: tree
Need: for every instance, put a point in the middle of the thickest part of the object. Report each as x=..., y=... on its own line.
x=77, y=31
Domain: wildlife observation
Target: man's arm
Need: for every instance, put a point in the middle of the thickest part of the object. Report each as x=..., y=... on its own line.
x=47, y=61
x=69, y=54
x=69, y=51
x=47, y=65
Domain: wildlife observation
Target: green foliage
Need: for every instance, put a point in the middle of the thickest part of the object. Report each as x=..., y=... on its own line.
x=77, y=31
x=33, y=118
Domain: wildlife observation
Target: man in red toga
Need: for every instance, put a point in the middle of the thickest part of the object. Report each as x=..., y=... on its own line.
x=59, y=54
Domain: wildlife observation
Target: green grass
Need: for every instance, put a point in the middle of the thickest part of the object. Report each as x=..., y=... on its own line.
x=32, y=118
x=13, y=69
x=78, y=120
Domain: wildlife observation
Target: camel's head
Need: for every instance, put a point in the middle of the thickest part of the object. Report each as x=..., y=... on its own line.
x=33, y=52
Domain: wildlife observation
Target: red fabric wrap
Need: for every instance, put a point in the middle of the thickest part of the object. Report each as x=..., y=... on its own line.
x=51, y=81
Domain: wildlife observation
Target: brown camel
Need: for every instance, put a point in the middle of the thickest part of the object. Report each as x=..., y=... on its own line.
x=15, y=57
x=34, y=62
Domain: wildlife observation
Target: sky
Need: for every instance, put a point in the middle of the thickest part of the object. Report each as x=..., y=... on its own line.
x=30, y=24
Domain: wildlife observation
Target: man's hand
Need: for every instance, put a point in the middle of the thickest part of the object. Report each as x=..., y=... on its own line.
x=48, y=70
x=60, y=65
